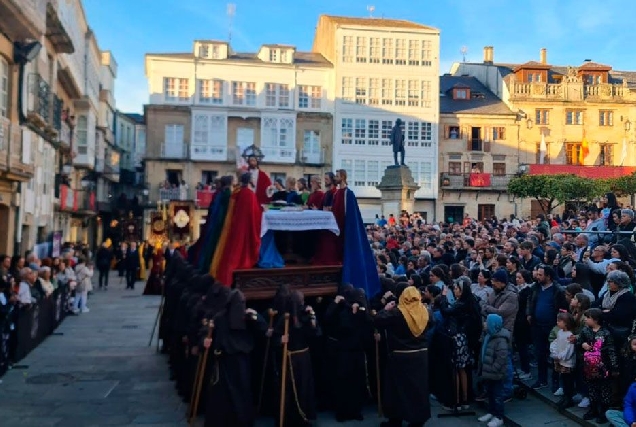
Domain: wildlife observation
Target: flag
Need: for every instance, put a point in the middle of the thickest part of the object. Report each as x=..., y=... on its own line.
x=624, y=152
x=543, y=149
x=585, y=150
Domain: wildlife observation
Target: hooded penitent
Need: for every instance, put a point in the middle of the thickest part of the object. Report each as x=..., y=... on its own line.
x=414, y=312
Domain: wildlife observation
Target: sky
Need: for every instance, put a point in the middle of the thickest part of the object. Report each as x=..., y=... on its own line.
x=571, y=30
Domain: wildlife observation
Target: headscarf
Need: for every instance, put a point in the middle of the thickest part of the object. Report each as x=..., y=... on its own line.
x=414, y=312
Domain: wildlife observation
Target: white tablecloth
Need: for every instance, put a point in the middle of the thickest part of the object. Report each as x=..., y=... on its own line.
x=299, y=221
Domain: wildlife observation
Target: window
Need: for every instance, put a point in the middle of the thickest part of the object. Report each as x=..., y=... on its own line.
x=175, y=89
x=387, y=51
x=485, y=211
x=426, y=133
x=244, y=93
x=605, y=118
x=361, y=49
x=376, y=50
x=277, y=132
x=542, y=117
x=373, y=173
x=204, y=51
x=461, y=94
x=414, y=52
x=201, y=130
x=311, y=96
x=400, y=92
x=311, y=142
x=374, y=91
x=373, y=132
x=211, y=91
x=606, y=156
x=454, y=168
x=270, y=94
x=546, y=155
x=360, y=132
x=216, y=52
x=82, y=130
x=453, y=132
x=412, y=134
x=387, y=127
x=4, y=87
x=347, y=89
x=273, y=55
x=427, y=46
x=426, y=93
x=347, y=165
x=347, y=49
x=208, y=177
x=414, y=93
x=499, y=169
x=573, y=154
x=498, y=133
x=387, y=91
x=347, y=131
x=361, y=90
x=400, y=52
x=574, y=117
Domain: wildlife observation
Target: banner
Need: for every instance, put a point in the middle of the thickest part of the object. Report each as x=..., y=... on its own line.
x=480, y=180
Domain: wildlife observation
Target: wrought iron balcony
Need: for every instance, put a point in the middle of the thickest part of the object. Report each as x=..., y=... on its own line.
x=57, y=113
x=38, y=100
x=486, y=181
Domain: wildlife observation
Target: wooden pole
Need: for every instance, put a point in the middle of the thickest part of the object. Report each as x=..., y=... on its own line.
x=284, y=374
x=377, y=371
x=199, y=379
x=271, y=313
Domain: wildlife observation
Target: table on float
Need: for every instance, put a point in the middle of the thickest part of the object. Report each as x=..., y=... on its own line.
x=287, y=220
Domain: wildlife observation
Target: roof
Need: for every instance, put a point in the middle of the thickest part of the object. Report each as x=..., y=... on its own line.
x=589, y=65
x=137, y=118
x=488, y=104
x=300, y=58
x=533, y=65
x=377, y=22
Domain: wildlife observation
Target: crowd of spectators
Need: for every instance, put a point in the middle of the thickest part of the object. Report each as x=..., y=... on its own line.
x=562, y=289
x=28, y=281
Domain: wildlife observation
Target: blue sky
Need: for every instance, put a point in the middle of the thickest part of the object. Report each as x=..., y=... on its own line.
x=571, y=30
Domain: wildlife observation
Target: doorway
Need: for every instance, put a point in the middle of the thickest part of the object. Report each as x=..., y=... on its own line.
x=485, y=212
x=453, y=214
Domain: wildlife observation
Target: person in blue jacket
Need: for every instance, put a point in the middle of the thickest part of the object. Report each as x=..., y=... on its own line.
x=627, y=418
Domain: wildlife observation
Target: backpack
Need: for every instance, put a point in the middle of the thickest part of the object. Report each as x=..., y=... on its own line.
x=593, y=366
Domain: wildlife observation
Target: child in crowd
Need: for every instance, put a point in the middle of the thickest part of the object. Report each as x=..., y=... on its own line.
x=493, y=366
x=564, y=357
x=578, y=306
x=599, y=364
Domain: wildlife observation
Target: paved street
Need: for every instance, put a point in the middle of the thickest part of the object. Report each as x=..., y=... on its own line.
x=100, y=372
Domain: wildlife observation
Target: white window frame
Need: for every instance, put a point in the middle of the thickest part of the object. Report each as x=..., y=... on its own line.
x=414, y=52
x=375, y=50
x=346, y=131
x=425, y=96
x=427, y=53
x=347, y=49
x=360, y=132
x=176, y=89
x=81, y=129
x=361, y=49
x=361, y=90
x=211, y=91
x=244, y=93
x=4, y=87
x=271, y=95
x=400, y=92
x=387, y=91
x=348, y=89
x=388, y=52
x=373, y=132
x=311, y=141
x=414, y=93
x=400, y=52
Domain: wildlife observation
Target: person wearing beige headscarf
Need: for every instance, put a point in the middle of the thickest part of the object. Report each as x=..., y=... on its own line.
x=405, y=394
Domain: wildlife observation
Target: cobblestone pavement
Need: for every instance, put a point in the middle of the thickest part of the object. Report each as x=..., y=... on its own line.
x=99, y=371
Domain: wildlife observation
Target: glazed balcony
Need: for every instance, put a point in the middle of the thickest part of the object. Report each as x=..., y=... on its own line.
x=5, y=134
x=23, y=19
x=474, y=181
x=311, y=157
x=38, y=101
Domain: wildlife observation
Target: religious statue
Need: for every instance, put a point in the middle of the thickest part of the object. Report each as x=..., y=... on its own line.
x=397, y=141
x=260, y=181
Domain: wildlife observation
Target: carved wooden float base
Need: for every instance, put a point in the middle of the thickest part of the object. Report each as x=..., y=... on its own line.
x=262, y=283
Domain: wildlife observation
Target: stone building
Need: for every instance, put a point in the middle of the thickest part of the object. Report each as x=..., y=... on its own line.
x=584, y=114
x=478, y=151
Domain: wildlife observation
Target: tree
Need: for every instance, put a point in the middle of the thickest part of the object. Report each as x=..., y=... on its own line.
x=551, y=191
x=624, y=185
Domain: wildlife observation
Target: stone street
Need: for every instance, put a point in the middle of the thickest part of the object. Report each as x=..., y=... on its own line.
x=97, y=370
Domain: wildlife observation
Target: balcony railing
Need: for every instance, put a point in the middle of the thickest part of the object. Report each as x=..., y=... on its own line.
x=279, y=154
x=477, y=144
x=173, y=194
x=77, y=200
x=558, y=91
x=57, y=113
x=174, y=151
x=208, y=152
x=475, y=181
x=38, y=100
x=311, y=157
x=204, y=198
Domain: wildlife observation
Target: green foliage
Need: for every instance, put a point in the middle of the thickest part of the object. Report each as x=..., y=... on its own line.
x=624, y=185
x=554, y=190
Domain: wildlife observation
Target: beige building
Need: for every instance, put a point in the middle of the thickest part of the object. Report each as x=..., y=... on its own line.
x=479, y=151
x=585, y=114
x=206, y=107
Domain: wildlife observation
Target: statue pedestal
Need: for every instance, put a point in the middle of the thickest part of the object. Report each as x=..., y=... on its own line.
x=398, y=190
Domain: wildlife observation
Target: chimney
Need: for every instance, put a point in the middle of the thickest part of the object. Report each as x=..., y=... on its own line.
x=488, y=54
x=544, y=56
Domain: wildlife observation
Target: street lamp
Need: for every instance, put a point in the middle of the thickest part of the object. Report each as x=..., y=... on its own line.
x=529, y=123
x=628, y=125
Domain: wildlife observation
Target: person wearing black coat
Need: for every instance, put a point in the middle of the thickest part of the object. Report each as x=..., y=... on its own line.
x=103, y=259
x=618, y=307
x=132, y=265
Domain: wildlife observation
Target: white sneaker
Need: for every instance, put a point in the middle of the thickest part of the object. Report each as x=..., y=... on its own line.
x=577, y=397
x=485, y=418
x=525, y=376
x=585, y=402
x=495, y=422
x=559, y=392
x=85, y=310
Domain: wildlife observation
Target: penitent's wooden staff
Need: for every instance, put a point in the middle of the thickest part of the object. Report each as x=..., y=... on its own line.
x=377, y=370
x=284, y=374
x=271, y=313
x=198, y=379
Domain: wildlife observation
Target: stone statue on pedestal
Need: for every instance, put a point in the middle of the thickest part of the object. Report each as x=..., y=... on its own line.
x=397, y=141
